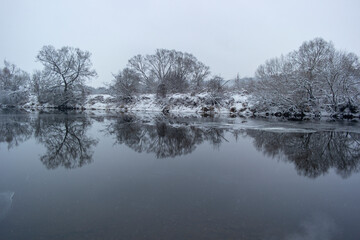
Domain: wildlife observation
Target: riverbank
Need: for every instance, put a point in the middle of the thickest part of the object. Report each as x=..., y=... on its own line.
x=239, y=104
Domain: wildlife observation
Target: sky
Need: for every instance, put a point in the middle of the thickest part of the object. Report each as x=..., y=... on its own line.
x=231, y=37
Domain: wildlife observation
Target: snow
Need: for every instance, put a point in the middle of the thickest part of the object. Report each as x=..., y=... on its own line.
x=236, y=104
x=175, y=103
x=145, y=102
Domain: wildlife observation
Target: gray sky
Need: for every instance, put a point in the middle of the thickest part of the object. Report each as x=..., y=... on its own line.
x=229, y=36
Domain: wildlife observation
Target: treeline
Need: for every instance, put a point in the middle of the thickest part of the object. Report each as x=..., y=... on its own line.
x=61, y=82
x=166, y=71
x=312, y=79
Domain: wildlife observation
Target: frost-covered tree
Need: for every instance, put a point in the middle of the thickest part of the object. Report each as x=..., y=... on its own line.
x=310, y=63
x=43, y=88
x=341, y=86
x=237, y=82
x=126, y=83
x=65, y=70
x=178, y=71
x=275, y=84
x=13, y=84
x=199, y=75
x=313, y=77
x=216, y=86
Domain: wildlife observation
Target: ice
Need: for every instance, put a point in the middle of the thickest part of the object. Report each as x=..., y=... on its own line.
x=6, y=199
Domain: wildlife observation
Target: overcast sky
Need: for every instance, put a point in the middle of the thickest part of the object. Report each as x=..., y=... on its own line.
x=229, y=36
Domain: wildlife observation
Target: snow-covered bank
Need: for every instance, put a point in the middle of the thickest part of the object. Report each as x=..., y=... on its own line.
x=234, y=104
x=203, y=103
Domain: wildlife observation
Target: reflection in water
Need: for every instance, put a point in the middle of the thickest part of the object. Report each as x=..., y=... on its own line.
x=68, y=145
x=65, y=140
x=162, y=138
x=15, y=129
x=63, y=135
x=313, y=154
x=6, y=199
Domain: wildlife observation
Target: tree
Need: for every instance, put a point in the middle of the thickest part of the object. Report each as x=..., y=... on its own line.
x=310, y=61
x=66, y=70
x=178, y=71
x=12, y=78
x=126, y=83
x=313, y=77
x=13, y=84
x=43, y=88
x=199, y=74
x=216, y=86
x=342, y=82
x=237, y=82
x=275, y=84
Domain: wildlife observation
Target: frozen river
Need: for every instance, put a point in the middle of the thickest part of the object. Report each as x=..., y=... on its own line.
x=106, y=176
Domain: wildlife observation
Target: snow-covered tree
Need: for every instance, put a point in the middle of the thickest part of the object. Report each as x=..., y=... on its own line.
x=13, y=84
x=126, y=83
x=215, y=86
x=342, y=82
x=313, y=77
x=177, y=71
x=65, y=70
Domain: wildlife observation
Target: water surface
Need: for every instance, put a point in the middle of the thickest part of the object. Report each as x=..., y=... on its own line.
x=102, y=176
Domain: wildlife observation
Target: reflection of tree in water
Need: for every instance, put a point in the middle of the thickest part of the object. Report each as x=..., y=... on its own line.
x=15, y=129
x=313, y=154
x=161, y=138
x=65, y=139
x=67, y=144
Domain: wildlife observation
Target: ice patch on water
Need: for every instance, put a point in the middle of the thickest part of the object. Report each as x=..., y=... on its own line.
x=6, y=199
x=286, y=130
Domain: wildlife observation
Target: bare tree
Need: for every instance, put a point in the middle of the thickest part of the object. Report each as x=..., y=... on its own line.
x=199, y=74
x=12, y=78
x=141, y=66
x=276, y=84
x=310, y=62
x=43, y=88
x=315, y=76
x=216, y=88
x=126, y=83
x=13, y=84
x=67, y=69
x=175, y=70
x=237, y=82
x=342, y=81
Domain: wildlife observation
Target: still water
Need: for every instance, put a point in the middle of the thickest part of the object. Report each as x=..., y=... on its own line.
x=103, y=176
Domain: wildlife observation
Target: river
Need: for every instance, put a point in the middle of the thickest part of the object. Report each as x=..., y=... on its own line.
x=150, y=176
